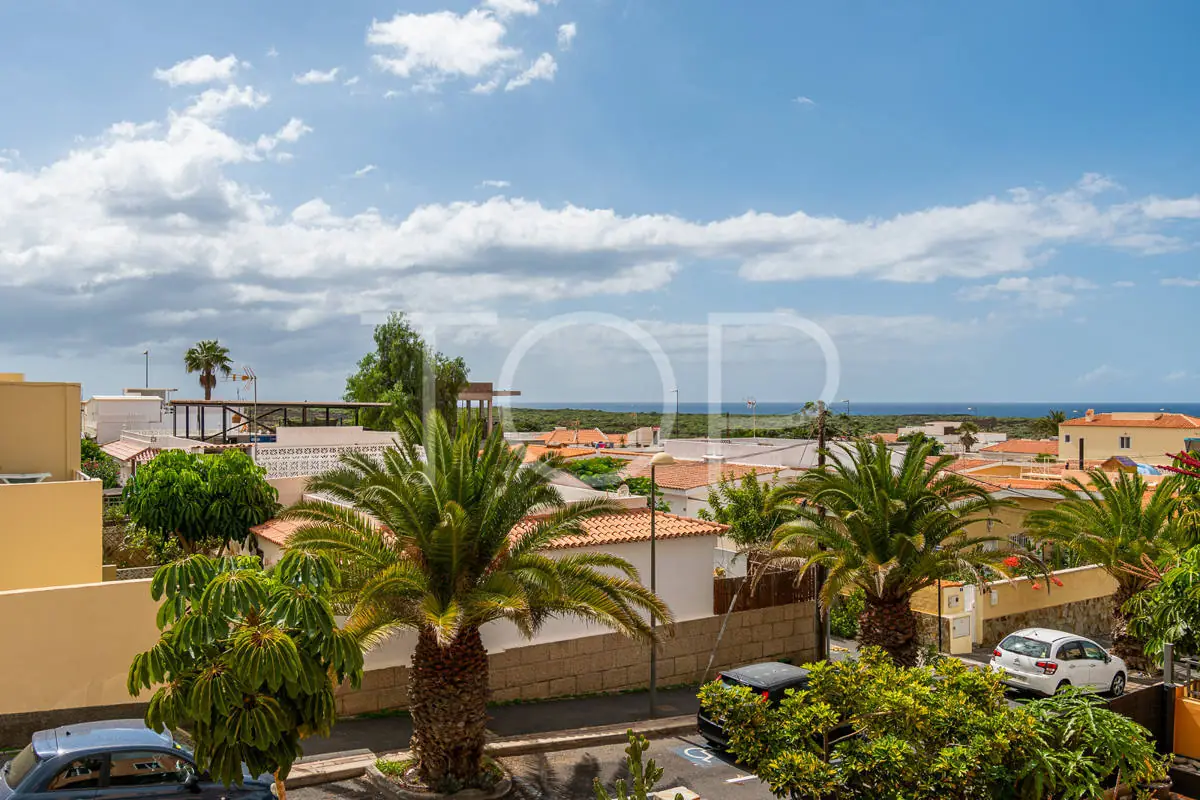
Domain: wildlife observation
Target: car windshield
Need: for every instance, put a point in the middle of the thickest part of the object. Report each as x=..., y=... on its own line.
x=1024, y=646
x=16, y=770
x=183, y=741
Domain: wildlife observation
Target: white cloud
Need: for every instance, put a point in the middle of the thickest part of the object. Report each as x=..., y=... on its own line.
x=566, y=35
x=317, y=76
x=543, y=69
x=211, y=104
x=1176, y=375
x=1051, y=293
x=493, y=184
x=441, y=45
x=1163, y=208
x=201, y=69
x=272, y=53
x=351, y=81
x=289, y=133
x=804, y=101
x=368, y=169
x=1123, y=284
x=508, y=8
x=1102, y=374
x=1190, y=283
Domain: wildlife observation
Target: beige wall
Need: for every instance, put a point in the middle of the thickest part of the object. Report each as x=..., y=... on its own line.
x=70, y=646
x=291, y=490
x=11, y=377
x=1146, y=444
x=1081, y=583
x=40, y=428
x=51, y=534
x=1010, y=520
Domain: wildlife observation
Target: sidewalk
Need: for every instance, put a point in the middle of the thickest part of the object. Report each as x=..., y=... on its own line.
x=383, y=734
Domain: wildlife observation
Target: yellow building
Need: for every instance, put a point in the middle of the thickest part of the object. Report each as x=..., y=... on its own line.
x=50, y=512
x=1139, y=435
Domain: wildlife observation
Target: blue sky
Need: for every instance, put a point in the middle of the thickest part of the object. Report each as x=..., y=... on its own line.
x=973, y=201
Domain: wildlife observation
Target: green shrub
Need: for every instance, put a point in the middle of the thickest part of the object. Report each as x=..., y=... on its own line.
x=843, y=617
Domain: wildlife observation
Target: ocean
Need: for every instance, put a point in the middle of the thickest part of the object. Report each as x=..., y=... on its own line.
x=980, y=409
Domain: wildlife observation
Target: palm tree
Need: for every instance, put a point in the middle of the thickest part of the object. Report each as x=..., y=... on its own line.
x=208, y=358
x=966, y=435
x=442, y=536
x=1048, y=425
x=1111, y=524
x=890, y=530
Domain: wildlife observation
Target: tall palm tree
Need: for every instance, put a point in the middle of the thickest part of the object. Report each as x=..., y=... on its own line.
x=1048, y=425
x=1113, y=525
x=442, y=536
x=208, y=358
x=966, y=435
x=888, y=529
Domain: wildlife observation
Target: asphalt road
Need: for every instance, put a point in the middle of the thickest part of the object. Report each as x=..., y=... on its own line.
x=568, y=774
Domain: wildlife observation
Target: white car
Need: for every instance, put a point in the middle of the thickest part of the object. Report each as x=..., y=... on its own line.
x=1045, y=661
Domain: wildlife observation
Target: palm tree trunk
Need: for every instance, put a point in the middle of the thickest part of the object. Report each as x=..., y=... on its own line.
x=890, y=624
x=447, y=697
x=1125, y=645
x=207, y=379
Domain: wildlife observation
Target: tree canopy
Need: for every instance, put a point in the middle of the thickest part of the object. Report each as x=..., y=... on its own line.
x=208, y=358
x=396, y=373
x=205, y=501
x=247, y=661
x=749, y=509
x=95, y=463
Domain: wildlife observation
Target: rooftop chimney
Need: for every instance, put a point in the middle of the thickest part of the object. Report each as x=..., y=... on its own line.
x=1091, y=412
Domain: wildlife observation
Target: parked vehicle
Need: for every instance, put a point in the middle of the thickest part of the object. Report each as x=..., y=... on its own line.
x=771, y=679
x=115, y=760
x=1045, y=661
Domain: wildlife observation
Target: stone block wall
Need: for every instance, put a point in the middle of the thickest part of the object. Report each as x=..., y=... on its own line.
x=1092, y=617
x=612, y=663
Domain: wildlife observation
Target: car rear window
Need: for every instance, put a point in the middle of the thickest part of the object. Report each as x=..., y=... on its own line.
x=1024, y=646
x=16, y=770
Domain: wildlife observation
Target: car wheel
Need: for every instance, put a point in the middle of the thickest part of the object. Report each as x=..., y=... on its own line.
x=1061, y=685
x=1118, y=685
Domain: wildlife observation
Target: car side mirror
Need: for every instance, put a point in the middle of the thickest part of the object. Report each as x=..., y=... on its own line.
x=1107, y=658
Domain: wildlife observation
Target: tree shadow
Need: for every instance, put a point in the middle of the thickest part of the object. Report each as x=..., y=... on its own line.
x=540, y=781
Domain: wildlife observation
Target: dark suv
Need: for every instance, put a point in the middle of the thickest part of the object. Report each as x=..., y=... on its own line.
x=115, y=760
x=771, y=679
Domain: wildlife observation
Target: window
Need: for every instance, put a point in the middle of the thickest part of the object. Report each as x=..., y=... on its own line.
x=1025, y=647
x=1093, y=651
x=1071, y=651
x=1067, y=438
x=1126, y=442
x=20, y=766
x=146, y=768
x=83, y=773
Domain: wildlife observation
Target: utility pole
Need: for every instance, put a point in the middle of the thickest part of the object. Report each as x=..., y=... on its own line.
x=822, y=612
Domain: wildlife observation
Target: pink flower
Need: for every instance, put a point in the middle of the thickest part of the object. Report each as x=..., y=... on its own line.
x=1037, y=586
x=1012, y=561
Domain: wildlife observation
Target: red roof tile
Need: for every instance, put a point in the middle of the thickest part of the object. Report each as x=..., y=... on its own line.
x=692, y=474
x=278, y=531
x=1159, y=421
x=631, y=525
x=1031, y=446
x=583, y=436
x=535, y=451
x=124, y=450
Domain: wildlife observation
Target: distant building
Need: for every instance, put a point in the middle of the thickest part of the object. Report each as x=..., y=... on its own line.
x=105, y=417
x=948, y=435
x=685, y=484
x=1021, y=450
x=583, y=437
x=1140, y=435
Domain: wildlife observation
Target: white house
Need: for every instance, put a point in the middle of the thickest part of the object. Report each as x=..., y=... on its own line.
x=106, y=417
x=685, y=484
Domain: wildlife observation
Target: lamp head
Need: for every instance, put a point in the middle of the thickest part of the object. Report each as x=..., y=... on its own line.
x=662, y=459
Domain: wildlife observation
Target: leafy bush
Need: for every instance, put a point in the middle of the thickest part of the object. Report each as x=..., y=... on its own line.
x=95, y=463
x=843, y=616
x=601, y=472
x=641, y=486
x=866, y=728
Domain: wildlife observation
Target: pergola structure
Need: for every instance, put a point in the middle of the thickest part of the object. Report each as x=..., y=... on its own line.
x=484, y=394
x=254, y=415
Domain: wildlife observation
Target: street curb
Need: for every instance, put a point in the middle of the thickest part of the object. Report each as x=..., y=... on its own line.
x=354, y=763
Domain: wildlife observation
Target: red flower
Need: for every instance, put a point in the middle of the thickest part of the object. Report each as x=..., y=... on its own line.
x=1037, y=586
x=1012, y=561
x=1057, y=582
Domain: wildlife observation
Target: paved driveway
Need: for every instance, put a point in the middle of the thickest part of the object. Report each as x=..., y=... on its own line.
x=568, y=774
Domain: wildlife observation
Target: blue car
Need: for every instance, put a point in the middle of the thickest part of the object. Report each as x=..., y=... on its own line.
x=115, y=760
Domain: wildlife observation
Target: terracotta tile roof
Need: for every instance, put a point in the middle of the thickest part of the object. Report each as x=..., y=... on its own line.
x=692, y=474
x=535, y=451
x=887, y=438
x=1158, y=421
x=277, y=531
x=1029, y=446
x=960, y=464
x=583, y=436
x=632, y=525
x=615, y=527
x=124, y=450
x=146, y=455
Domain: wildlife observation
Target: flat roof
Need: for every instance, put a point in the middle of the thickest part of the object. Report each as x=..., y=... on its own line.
x=280, y=404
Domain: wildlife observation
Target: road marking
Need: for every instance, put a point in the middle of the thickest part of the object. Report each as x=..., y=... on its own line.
x=699, y=756
x=742, y=779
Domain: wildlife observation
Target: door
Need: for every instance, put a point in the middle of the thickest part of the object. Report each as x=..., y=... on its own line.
x=146, y=774
x=78, y=779
x=1072, y=666
x=1102, y=669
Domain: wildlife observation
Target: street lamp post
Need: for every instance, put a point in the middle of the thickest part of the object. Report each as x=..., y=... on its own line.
x=146, y=353
x=659, y=460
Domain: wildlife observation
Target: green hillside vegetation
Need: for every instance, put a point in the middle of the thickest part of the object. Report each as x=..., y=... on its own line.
x=792, y=426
